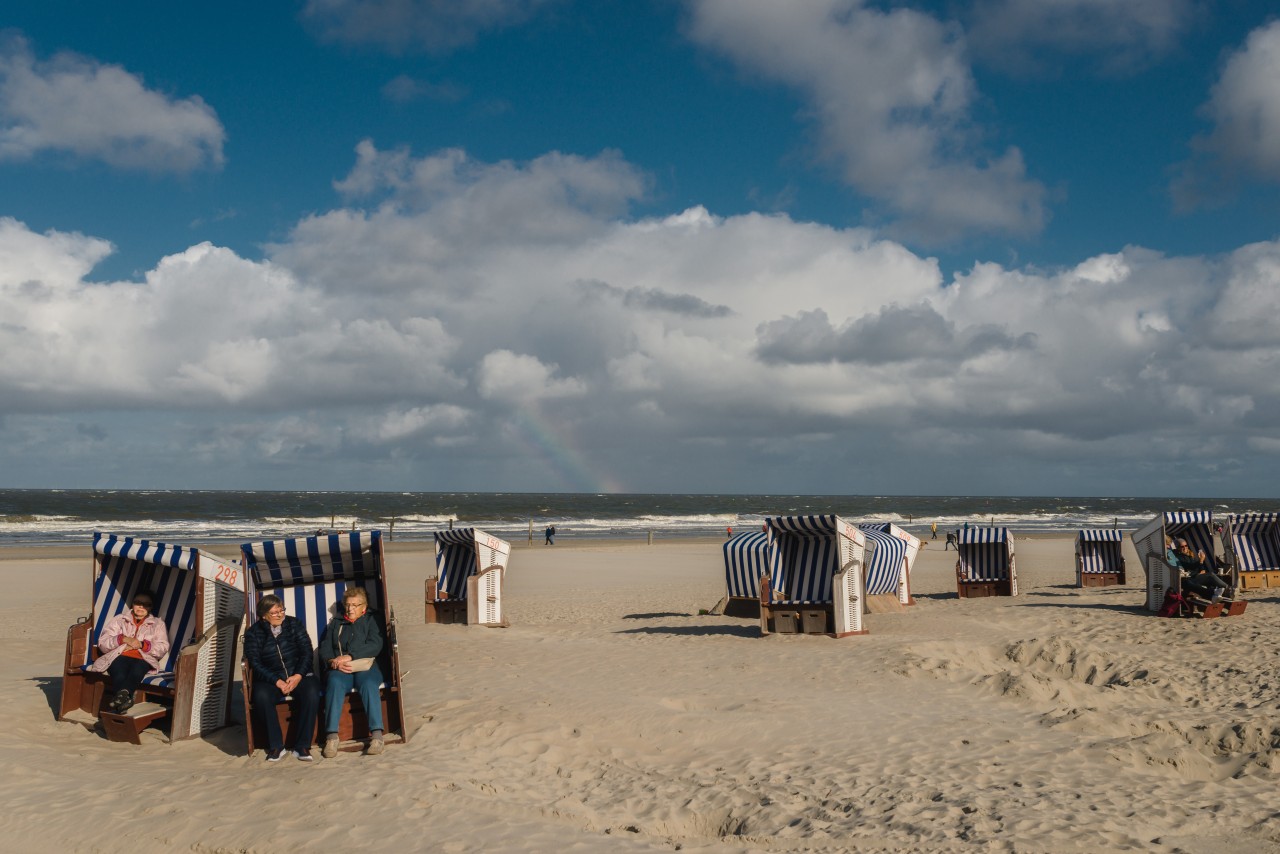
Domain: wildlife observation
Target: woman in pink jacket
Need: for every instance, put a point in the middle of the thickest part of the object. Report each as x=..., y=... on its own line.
x=133, y=644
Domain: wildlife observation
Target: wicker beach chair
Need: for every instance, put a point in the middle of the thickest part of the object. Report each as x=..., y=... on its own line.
x=1196, y=527
x=746, y=560
x=310, y=575
x=1252, y=541
x=467, y=587
x=1099, y=557
x=818, y=586
x=200, y=598
x=889, y=562
x=985, y=563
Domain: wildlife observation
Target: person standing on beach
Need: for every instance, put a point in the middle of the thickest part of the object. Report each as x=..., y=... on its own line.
x=728, y=533
x=550, y=534
x=933, y=529
x=951, y=541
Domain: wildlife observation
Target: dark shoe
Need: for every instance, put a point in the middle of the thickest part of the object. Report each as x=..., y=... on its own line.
x=274, y=755
x=303, y=757
x=122, y=702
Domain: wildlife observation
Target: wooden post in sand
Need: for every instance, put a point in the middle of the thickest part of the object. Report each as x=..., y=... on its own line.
x=651, y=538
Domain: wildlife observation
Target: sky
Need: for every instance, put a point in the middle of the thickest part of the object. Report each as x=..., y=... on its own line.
x=967, y=247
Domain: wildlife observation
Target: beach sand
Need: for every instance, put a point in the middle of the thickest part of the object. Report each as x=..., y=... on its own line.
x=611, y=716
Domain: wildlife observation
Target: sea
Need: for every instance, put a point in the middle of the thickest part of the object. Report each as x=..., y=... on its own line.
x=30, y=517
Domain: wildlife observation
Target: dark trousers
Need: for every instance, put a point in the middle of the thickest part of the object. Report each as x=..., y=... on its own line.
x=126, y=673
x=306, y=705
x=1204, y=584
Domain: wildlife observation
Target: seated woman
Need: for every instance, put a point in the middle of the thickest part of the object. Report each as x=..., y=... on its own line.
x=1199, y=579
x=348, y=648
x=278, y=649
x=133, y=643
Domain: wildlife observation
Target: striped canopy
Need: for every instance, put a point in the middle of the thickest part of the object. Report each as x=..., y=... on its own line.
x=808, y=553
x=1255, y=539
x=884, y=566
x=1100, y=535
x=984, y=554
x=144, y=551
x=456, y=559
x=333, y=557
x=746, y=558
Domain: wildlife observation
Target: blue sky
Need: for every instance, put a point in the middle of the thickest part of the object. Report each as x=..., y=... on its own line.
x=999, y=246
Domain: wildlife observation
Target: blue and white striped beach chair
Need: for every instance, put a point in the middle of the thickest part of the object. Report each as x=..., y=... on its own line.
x=310, y=575
x=1099, y=557
x=747, y=558
x=1253, y=540
x=985, y=563
x=818, y=586
x=199, y=596
x=889, y=562
x=467, y=587
x=1194, y=526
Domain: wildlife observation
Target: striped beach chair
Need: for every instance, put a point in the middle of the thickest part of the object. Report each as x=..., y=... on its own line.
x=747, y=558
x=889, y=562
x=200, y=598
x=1194, y=526
x=467, y=587
x=985, y=564
x=818, y=586
x=310, y=575
x=1253, y=541
x=1099, y=557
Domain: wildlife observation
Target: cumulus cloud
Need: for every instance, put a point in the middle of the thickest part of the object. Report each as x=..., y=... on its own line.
x=74, y=105
x=892, y=95
x=670, y=352
x=432, y=25
x=1244, y=108
x=1120, y=35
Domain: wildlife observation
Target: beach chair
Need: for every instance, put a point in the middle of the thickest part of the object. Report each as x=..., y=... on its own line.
x=985, y=564
x=818, y=585
x=1196, y=527
x=467, y=586
x=889, y=562
x=746, y=560
x=1099, y=558
x=1252, y=542
x=201, y=600
x=310, y=575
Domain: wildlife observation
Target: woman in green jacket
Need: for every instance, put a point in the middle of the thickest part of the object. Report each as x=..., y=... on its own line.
x=349, y=648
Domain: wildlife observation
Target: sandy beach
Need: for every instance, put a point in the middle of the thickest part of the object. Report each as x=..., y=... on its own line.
x=612, y=716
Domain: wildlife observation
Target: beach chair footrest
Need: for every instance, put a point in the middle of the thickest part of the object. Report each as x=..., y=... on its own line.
x=1101, y=579
x=128, y=726
x=980, y=589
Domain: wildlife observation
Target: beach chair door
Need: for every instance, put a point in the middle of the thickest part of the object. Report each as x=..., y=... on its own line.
x=848, y=590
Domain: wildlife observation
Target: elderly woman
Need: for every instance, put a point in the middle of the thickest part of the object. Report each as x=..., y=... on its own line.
x=279, y=651
x=133, y=644
x=348, y=648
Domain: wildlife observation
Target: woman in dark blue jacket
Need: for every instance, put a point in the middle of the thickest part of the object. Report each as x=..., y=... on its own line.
x=278, y=649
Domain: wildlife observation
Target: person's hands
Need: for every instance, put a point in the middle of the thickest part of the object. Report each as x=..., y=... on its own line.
x=133, y=643
x=292, y=682
x=341, y=663
x=283, y=685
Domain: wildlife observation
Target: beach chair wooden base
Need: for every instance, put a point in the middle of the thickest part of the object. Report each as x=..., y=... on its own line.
x=1266, y=579
x=1101, y=579
x=1234, y=609
x=447, y=611
x=740, y=606
x=981, y=589
x=128, y=726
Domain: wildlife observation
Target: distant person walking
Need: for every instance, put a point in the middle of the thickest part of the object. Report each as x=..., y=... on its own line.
x=951, y=541
x=728, y=533
x=551, y=535
x=934, y=530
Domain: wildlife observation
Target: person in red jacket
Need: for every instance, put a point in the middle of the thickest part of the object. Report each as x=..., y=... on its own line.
x=133, y=643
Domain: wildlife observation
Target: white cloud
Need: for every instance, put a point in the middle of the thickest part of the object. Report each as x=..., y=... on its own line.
x=1121, y=34
x=661, y=350
x=1244, y=107
x=80, y=107
x=892, y=95
x=433, y=25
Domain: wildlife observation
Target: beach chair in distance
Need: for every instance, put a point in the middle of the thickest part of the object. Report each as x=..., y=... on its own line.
x=310, y=575
x=1099, y=557
x=1196, y=527
x=1252, y=542
x=818, y=585
x=467, y=587
x=746, y=560
x=985, y=563
x=889, y=562
x=201, y=600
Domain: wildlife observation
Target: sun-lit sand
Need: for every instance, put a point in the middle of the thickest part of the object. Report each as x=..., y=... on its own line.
x=611, y=716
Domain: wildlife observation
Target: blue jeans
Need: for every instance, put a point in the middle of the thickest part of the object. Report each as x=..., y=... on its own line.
x=306, y=704
x=366, y=683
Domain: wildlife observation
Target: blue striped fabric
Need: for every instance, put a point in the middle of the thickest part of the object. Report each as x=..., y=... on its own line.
x=746, y=559
x=1255, y=539
x=884, y=566
x=455, y=560
x=984, y=554
x=808, y=552
x=1194, y=526
x=1100, y=549
x=129, y=566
